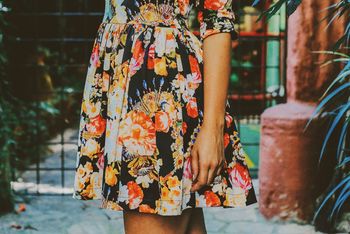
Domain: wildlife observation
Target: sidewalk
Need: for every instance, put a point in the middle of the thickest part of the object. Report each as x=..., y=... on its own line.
x=64, y=215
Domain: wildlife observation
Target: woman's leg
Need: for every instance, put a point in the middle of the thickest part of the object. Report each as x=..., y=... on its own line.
x=136, y=222
x=196, y=224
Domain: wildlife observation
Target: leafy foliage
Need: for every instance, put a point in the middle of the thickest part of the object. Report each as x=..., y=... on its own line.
x=334, y=102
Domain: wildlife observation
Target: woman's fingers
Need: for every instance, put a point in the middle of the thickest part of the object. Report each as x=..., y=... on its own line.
x=194, y=164
x=220, y=168
x=211, y=175
x=202, y=177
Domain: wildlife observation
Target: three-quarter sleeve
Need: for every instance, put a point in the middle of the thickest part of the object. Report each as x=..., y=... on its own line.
x=215, y=16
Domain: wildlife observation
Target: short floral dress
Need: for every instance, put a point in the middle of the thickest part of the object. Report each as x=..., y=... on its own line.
x=142, y=109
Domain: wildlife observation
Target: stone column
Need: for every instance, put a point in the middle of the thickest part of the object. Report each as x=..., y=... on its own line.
x=289, y=156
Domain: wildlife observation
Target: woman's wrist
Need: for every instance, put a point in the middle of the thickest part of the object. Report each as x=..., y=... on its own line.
x=214, y=124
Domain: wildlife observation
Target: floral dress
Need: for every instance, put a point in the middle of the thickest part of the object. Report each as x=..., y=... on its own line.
x=142, y=109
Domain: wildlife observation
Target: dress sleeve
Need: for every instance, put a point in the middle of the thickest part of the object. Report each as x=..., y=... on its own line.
x=215, y=16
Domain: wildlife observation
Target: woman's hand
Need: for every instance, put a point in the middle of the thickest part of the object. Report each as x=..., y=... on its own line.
x=207, y=156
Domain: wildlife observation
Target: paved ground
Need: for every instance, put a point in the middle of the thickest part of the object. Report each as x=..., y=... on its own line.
x=62, y=214
x=65, y=215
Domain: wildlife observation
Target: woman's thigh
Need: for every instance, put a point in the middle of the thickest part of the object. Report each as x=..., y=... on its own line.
x=196, y=224
x=136, y=222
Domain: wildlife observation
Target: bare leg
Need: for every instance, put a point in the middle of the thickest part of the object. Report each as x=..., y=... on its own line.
x=196, y=224
x=136, y=222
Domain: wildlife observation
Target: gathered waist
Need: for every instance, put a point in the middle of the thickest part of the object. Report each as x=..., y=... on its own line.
x=172, y=22
x=109, y=30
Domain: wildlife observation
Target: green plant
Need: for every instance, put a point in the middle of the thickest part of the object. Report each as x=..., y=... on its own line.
x=5, y=137
x=335, y=102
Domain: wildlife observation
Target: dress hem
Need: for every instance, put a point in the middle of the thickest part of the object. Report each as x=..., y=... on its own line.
x=115, y=205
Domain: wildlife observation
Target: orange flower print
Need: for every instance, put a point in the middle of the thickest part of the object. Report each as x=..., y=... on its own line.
x=194, y=64
x=226, y=139
x=143, y=106
x=162, y=121
x=151, y=55
x=138, y=133
x=173, y=182
x=165, y=193
x=135, y=194
x=200, y=16
x=214, y=4
x=184, y=127
x=137, y=58
x=191, y=107
x=211, y=198
x=111, y=175
x=96, y=126
x=146, y=209
x=239, y=177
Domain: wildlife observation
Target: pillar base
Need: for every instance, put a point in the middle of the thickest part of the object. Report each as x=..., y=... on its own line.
x=288, y=162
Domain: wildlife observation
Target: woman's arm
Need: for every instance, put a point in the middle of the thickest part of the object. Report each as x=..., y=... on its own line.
x=217, y=30
x=208, y=150
x=217, y=70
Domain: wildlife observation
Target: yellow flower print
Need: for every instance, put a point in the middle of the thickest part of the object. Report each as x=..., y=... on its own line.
x=178, y=161
x=173, y=181
x=91, y=148
x=111, y=175
x=164, y=193
x=150, y=102
x=89, y=192
x=236, y=200
x=160, y=66
x=91, y=109
x=175, y=193
x=149, y=12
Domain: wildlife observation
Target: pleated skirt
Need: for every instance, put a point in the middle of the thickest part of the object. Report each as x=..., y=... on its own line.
x=141, y=111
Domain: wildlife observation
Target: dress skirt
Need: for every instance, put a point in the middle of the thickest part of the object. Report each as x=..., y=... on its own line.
x=141, y=111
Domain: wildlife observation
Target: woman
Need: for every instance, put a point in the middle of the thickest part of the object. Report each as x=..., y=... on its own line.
x=155, y=140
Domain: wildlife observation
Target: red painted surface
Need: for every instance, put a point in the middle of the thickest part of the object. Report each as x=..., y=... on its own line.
x=288, y=157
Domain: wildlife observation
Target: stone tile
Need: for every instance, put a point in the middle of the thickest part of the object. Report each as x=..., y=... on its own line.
x=237, y=214
x=87, y=228
x=293, y=228
x=213, y=225
x=249, y=228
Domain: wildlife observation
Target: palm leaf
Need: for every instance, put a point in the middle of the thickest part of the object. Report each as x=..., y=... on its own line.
x=329, y=195
x=343, y=196
x=325, y=101
x=336, y=121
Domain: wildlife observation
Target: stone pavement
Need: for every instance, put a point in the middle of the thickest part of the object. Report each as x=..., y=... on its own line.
x=65, y=215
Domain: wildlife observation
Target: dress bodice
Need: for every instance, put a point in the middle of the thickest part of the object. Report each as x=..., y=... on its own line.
x=147, y=11
x=214, y=16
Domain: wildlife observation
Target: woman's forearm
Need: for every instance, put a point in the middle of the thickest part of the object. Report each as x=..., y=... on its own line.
x=217, y=70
